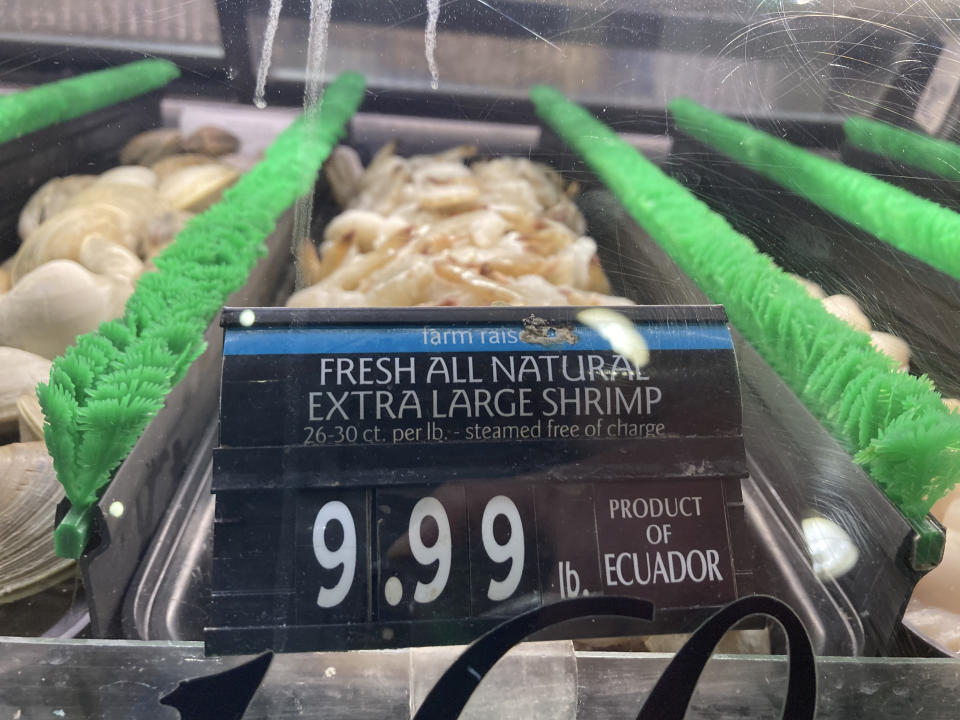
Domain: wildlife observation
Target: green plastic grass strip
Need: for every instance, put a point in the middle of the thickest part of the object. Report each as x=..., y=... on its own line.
x=937, y=157
x=29, y=110
x=104, y=390
x=917, y=226
x=894, y=423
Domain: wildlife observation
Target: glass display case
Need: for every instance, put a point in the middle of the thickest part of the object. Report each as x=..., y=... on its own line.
x=356, y=331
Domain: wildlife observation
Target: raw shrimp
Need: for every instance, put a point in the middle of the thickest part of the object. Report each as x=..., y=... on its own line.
x=431, y=230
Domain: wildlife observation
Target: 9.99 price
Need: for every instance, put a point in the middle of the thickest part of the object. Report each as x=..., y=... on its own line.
x=399, y=554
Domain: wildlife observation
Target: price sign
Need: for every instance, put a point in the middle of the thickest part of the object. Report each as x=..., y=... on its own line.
x=413, y=477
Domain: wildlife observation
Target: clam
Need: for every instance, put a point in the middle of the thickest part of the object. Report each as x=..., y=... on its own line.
x=29, y=417
x=21, y=372
x=49, y=199
x=62, y=237
x=29, y=493
x=49, y=307
x=130, y=175
x=133, y=198
x=103, y=257
x=172, y=163
x=213, y=141
x=137, y=206
x=198, y=187
x=150, y=146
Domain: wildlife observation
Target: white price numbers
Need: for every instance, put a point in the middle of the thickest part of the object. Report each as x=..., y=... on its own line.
x=345, y=555
x=440, y=552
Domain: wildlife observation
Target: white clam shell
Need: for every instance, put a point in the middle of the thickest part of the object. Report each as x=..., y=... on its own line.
x=30, y=493
x=62, y=237
x=29, y=417
x=172, y=163
x=197, y=187
x=106, y=258
x=49, y=199
x=130, y=175
x=50, y=306
x=22, y=371
x=150, y=146
x=134, y=206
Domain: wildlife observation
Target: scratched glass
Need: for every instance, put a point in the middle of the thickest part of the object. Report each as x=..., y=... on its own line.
x=333, y=482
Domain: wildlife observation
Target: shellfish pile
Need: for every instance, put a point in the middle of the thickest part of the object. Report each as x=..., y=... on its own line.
x=85, y=239
x=433, y=230
x=84, y=242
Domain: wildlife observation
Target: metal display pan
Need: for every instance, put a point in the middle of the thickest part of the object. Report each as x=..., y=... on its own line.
x=796, y=468
x=901, y=294
x=87, y=144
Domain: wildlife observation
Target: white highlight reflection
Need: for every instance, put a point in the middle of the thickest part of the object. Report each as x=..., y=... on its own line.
x=831, y=549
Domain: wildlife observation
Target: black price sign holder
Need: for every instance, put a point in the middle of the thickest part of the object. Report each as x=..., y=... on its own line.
x=408, y=477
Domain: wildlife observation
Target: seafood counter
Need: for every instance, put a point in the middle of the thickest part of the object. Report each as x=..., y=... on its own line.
x=455, y=228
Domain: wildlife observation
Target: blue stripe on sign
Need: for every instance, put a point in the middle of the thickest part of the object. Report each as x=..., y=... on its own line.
x=342, y=340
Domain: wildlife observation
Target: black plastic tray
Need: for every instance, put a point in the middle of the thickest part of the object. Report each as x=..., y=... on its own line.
x=901, y=294
x=87, y=144
x=796, y=468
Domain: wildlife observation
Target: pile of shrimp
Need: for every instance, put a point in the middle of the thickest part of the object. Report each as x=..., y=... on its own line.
x=432, y=230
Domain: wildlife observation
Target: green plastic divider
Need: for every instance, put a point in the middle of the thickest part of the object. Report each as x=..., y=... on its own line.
x=938, y=157
x=29, y=110
x=912, y=224
x=895, y=424
x=104, y=390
